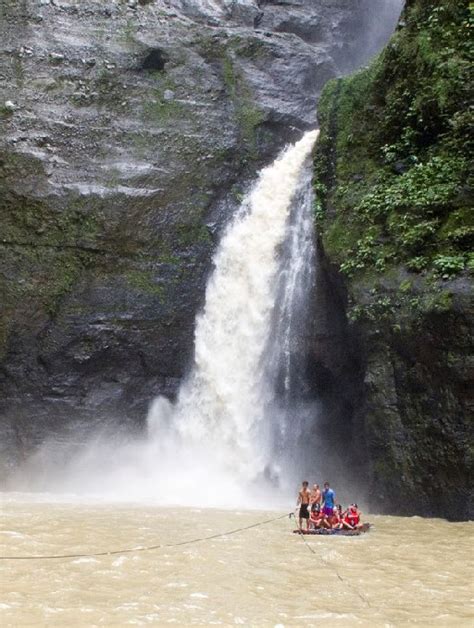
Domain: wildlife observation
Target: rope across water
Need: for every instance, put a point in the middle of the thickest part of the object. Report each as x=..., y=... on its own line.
x=149, y=548
x=146, y=548
x=328, y=564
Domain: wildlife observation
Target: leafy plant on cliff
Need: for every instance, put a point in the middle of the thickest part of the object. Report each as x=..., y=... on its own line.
x=248, y=115
x=392, y=173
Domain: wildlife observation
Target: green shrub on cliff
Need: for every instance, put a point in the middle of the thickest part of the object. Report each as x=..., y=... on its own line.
x=392, y=170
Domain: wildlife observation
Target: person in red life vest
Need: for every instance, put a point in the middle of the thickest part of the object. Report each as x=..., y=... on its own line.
x=318, y=518
x=351, y=520
x=314, y=517
x=335, y=520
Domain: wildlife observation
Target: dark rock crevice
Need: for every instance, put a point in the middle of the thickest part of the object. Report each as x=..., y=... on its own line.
x=155, y=59
x=337, y=375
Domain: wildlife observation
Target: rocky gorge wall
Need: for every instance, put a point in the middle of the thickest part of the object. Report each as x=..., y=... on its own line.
x=129, y=132
x=394, y=215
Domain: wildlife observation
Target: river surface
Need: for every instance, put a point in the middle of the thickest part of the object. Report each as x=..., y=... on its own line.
x=406, y=571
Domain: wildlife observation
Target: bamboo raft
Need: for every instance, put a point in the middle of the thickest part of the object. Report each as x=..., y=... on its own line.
x=329, y=532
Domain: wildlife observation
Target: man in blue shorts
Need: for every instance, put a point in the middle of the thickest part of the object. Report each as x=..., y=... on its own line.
x=329, y=497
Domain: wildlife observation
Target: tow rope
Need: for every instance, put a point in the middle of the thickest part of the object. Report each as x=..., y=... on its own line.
x=328, y=564
x=147, y=548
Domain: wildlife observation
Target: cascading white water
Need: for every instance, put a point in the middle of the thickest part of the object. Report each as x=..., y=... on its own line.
x=292, y=407
x=221, y=416
x=215, y=445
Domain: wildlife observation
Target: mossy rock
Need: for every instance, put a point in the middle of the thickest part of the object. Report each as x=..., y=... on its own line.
x=393, y=158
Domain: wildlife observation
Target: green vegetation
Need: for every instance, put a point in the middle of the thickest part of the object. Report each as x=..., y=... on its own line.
x=249, y=116
x=5, y=112
x=49, y=247
x=129, y=33
x=190, y=234
x=108, y=88
x=249, y=48
x=44, y=249
x=33, y=281
x=145, y=281
x=392, y=307
x=394, y=212
x=27, y=222
x=159, y=110
x=18, y=70
x=226, y=53
x=393, y=185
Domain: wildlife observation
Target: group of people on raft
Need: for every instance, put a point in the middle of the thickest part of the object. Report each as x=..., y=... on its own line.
x=319, y=510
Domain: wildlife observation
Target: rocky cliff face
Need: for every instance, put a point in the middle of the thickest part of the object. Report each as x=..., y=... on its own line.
x=130, y=130
x=394, y=213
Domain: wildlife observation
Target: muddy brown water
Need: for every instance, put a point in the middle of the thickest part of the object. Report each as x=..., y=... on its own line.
x=406, y=571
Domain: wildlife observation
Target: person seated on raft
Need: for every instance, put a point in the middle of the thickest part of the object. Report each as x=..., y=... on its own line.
x=315, y=517
x=318, y=519
x=335, y=520
x=351, y=518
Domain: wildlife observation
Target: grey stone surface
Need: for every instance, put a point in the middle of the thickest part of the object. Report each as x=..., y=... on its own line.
x=113, y=193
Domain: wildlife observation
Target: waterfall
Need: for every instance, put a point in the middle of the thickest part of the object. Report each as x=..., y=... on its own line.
x=292, y=405
x=226, y=435
x=223, y=419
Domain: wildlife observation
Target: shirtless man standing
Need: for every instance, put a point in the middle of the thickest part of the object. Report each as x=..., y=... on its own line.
x=303, y=502
x=315, y=498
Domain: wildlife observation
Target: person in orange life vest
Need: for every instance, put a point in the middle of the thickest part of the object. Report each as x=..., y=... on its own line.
x=351, y=519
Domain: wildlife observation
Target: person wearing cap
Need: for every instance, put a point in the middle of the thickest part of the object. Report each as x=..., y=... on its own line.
x=335, y=520
x=351, y=520
x=314, y=517
x=317, y=519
